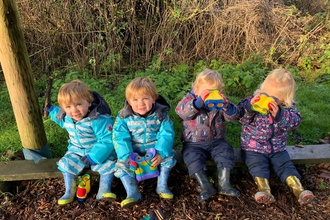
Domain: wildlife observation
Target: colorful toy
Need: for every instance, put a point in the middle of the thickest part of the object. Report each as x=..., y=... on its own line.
x=262, y=106
x=83, y=188
x=141, y=165
x=214, y=101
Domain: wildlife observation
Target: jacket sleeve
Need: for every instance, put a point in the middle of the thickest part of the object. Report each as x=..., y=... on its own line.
x=186, y=109
x=290, y=119
x=232, y=112
x=246, y=114
x=53, y=113
x=102, y=149
x=165, y=138
x=122, y=139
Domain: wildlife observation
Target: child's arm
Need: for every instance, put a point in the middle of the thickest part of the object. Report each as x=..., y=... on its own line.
x=53, y=111
x=165, y=138
x=102, y=127
x=288, y=118
x=122, y=139
x=186, y=109
x=246, y=114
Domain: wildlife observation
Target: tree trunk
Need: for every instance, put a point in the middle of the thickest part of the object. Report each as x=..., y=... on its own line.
x=18, y=75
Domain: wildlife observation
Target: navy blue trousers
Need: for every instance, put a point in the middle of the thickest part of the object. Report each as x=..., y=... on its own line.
x=195, y=155
x=259, y=164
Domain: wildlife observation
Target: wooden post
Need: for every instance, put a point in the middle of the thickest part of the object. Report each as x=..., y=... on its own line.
x=17, y=70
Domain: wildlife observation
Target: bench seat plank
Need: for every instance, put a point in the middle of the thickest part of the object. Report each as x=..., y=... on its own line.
x=28, y=170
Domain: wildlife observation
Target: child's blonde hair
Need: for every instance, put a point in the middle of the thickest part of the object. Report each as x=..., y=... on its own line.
x=141, y=85
x=285, y=85
x=74, y=91
x=210, y=77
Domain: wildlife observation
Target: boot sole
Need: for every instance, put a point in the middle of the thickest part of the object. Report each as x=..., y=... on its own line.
x=305, y=197
x=264, y=198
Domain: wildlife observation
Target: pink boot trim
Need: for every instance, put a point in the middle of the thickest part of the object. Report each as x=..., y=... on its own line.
x=305, y=197
x=264, y=198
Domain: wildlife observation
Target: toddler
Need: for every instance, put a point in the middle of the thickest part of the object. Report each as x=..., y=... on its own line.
x=86, y=117
x=264, y=135
x=204, y=132
x=143, y=124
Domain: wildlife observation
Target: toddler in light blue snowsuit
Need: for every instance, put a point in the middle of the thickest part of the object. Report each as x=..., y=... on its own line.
x=86, y=117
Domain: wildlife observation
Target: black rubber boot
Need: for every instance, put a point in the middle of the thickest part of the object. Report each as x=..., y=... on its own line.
x=207, y=188
x=224, y=186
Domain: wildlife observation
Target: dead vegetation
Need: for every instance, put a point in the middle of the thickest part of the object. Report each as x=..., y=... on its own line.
x=107, y=36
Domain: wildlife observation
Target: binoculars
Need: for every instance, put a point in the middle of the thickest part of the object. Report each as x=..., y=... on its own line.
x=214, y=101
x=262, y=106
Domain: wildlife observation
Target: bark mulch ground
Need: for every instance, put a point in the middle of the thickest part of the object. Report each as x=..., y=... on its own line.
x=38, y=199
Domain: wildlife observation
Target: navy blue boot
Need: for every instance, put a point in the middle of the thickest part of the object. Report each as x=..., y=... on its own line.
x=207, y=188
x=224, y=186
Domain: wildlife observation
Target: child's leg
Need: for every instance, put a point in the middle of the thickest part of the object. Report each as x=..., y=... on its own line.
x=263, y=195
x=105, y=187
x=194, y=156
x=303, y=196
x=258, y=165
x=162, y=188
x=288, y=174
x=207, y=189
x=223, y=154
x=70, y=182
x=132, y=190
x=224, y=186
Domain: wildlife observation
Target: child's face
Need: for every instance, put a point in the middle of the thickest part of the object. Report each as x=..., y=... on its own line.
x=141, y=103
x=203, y=86
x=76, y=110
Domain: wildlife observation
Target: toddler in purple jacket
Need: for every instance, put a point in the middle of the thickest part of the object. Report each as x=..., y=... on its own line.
x=264, y=135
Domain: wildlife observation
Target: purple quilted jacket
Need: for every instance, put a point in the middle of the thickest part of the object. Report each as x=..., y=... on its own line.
x=264, y=134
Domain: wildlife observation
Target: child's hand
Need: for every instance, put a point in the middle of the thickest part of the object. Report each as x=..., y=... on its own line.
x=226, y=101
x=156, y=160
x=87, y=160
x=273, y=108
x=255, y=99
x=204, y=93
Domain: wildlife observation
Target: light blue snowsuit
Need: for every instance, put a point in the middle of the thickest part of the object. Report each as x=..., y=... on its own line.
x=134, y=133
x=90, y=136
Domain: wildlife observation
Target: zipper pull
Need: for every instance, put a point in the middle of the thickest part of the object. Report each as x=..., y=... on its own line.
x=270, y=119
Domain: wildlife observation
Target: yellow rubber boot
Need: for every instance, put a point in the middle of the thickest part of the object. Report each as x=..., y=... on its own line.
x=263, y=195
x=303, y=196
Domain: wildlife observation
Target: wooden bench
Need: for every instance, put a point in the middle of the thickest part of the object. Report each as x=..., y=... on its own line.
x=28, y=170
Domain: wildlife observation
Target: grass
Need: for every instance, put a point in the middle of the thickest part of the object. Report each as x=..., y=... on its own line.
x=312, y=99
